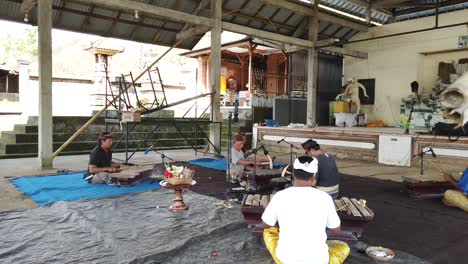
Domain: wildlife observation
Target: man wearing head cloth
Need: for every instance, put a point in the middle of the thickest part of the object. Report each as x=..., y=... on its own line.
x=303, y=213
x=100, y=161
x=328, y=177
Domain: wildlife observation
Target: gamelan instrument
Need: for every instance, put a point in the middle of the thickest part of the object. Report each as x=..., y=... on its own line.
x=261, y=180
x=268, y=164
x=354, y=215
x=131, y=175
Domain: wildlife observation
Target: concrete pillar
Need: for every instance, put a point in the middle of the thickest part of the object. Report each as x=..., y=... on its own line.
x=45, y=83
x=23, y=87
x=312, y=69
x=215, y=71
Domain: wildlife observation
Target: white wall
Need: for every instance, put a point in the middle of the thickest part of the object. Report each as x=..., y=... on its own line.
x=68, y=99
x=395, y=62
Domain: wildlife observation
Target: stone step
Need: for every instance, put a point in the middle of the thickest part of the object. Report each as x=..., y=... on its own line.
x=99, y=128
x=73, y=123
x=22, y=128
x=89, y=145
x=11, y=137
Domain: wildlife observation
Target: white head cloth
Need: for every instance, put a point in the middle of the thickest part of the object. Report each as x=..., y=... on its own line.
x=311, y=167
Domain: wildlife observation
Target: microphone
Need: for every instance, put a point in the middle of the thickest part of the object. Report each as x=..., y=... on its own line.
x=150, y=148
x=432, y=152
x=280, y=140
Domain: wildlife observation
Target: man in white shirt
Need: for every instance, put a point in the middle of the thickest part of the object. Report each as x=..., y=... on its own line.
x=238, y=162
x=303, y=213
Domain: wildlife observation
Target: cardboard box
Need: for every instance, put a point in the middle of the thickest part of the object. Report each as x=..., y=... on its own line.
x=131, y=116
x=341, y=107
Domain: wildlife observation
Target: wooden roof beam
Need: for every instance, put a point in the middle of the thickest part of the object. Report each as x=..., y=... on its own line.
x=346, y=52
x=266, y=34
x=196, y=30
x=181, y=17
x=27, y=5
x=152, y=10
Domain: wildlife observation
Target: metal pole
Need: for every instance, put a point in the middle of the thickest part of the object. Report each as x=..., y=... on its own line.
x=229, y=154
x=422, y=163
x=126, y=142
x=196, y=106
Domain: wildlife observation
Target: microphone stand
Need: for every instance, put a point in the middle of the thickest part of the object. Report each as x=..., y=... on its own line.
x=421, y=154
x=291, y=146
x=229, y=145
x=163, y=156
x=229, y=154
x=411, y=114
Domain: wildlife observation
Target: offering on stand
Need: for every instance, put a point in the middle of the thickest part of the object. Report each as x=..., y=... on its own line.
x=178, y=178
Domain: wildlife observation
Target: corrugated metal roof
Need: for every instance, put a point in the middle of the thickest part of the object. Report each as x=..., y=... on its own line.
x=418, y=12
x=356, y=10
x=256, y=14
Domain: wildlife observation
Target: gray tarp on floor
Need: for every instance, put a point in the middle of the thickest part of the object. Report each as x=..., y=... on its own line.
x=131, y=229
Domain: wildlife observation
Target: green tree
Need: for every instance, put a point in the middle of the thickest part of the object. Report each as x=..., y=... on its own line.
x=17, y=46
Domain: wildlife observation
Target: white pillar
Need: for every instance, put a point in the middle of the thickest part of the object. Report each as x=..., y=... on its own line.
x=312, y=68
x=215, y=70
x=45, y=83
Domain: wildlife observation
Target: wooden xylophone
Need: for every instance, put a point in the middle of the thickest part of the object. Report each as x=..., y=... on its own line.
x=131, y=175
x=353, y=214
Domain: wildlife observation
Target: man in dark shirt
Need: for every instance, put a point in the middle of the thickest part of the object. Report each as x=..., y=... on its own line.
x=328, y=177
x=100, y=161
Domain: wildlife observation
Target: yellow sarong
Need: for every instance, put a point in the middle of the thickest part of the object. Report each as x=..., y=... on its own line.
x=337, y=250
x=456, y=199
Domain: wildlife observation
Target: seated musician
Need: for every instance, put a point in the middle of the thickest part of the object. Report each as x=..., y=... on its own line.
x=261, y=158
x=100, y=161
x=247, y=152
x=303, y=213
x=459, y=196
x=328, y=177
x=238, y=161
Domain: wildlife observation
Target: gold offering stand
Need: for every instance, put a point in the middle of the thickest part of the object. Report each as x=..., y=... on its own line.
x=178, y=203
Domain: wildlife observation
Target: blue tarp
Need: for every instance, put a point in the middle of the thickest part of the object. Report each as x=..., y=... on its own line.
x=217, y=164
x=45, y=190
